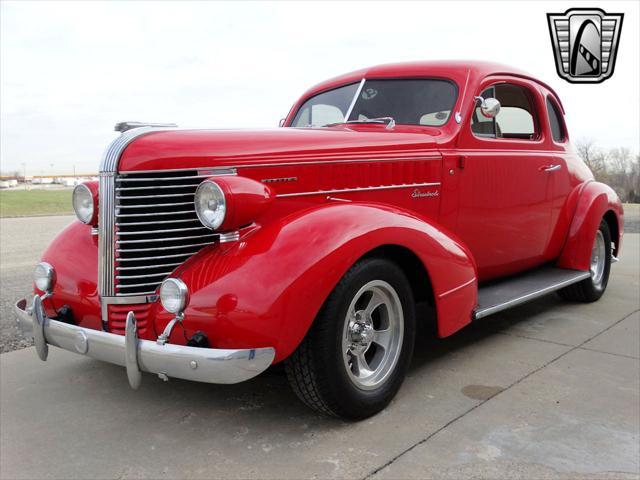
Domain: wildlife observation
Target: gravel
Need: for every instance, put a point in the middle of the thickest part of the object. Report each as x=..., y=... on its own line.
x=22, y=241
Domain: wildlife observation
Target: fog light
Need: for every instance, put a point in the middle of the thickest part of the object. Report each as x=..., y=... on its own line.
x=44, y=276
x=174, y=295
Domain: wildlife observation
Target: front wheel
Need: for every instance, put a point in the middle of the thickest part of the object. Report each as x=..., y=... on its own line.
x=592, y=288
x=355, y=356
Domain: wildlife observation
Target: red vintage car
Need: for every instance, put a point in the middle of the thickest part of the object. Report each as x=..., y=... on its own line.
x=401, y=194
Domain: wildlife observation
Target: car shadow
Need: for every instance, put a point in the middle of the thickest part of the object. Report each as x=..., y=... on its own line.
x=268, y=397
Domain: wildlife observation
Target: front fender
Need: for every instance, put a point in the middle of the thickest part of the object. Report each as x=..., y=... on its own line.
x=266, y=289
x=596, y=199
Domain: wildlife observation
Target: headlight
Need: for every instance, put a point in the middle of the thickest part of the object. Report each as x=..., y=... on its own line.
x=211, y=204
x=83, y=203
x=174, y=295
x=44, y=276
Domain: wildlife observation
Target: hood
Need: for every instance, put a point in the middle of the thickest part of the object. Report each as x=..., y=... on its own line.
x=184, y=149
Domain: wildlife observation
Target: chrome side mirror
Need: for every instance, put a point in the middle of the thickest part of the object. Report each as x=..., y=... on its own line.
x=281, y=122
x=490, y=107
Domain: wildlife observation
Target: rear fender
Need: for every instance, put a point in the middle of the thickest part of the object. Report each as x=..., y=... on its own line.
x=596, y=200
x=266, y=289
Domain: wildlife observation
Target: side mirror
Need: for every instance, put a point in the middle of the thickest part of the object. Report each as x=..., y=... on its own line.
x=281, y=122
x=490, y=107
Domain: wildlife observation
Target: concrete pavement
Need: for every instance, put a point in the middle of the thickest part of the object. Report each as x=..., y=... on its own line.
x=550, y=389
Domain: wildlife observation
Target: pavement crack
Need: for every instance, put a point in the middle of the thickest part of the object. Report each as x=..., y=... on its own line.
x=478, y=405
x=622, y=355
x=536, y=339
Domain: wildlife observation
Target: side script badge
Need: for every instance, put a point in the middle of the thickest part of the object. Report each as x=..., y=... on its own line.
x=585, y=43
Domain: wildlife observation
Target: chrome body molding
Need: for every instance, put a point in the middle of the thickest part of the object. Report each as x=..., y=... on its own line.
x=208, y=365
x=296, y=163
x=227, y=237
x=359, y=189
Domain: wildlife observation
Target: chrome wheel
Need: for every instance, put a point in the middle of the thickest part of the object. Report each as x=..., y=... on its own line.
x=598, y=259
x=372, y=334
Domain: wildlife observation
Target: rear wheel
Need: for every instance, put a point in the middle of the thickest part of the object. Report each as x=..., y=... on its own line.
x=355, y=356
x=592, y=288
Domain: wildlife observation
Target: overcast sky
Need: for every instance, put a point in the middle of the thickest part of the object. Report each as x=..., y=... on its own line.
x=70, y=71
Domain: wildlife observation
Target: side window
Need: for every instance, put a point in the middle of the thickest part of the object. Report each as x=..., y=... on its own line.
x=555, y=122
x=482, y=126
x=516, y=118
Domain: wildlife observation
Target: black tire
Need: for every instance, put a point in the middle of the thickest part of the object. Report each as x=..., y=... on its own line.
x=317, y=370
x=590, y=290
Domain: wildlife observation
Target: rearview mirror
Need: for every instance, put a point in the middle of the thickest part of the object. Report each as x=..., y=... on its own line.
x=489, y=107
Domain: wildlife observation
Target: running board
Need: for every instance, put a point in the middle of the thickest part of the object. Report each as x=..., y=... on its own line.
x=506, y=294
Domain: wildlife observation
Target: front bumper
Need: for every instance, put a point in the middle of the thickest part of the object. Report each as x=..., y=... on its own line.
x=190, y=363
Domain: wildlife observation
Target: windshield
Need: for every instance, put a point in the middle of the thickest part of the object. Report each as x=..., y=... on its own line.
x=408, y=101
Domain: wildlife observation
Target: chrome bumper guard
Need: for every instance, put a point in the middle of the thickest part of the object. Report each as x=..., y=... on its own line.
x=190, y=363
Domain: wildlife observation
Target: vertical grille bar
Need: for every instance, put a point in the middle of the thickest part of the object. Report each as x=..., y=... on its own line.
x=106, y=221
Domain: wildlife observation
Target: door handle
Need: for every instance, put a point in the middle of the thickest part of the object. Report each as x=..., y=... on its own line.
x=550, y=168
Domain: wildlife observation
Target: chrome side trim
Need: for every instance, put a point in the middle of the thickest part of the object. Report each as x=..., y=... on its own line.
x=459, y=287
x=296, y=163
x=361, y=189
x=214, y=172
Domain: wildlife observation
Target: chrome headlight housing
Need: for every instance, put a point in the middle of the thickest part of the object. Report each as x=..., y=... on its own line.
x=83, y=203
x=174, y=295
x=211, y=204
x=44, y=276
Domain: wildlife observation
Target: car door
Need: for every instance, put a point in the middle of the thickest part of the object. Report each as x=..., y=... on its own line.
x=565, y=178
x=504, y=184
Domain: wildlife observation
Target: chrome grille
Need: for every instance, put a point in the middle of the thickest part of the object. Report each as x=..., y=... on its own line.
x=156, y=227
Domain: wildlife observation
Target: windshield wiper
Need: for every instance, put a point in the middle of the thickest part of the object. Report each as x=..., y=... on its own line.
x=388, y=120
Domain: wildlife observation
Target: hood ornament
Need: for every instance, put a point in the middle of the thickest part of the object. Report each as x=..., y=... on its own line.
x=124, y=126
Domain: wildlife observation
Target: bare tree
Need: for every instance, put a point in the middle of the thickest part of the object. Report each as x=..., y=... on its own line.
x=615, y=167
x=593, y=156
x=620, y=159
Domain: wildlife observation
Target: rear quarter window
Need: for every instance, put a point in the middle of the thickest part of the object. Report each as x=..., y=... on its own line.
x=555, y=122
